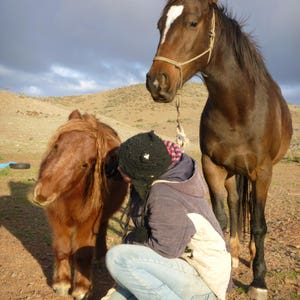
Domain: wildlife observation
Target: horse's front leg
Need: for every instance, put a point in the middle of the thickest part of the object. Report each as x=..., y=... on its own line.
x=258, y=288
x=83, y=253
x=215, y=177
x=233, y=204
x=61, y=240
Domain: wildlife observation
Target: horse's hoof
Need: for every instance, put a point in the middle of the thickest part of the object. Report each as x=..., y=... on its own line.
x=61, y=289
x=257, y=293
x=235, y=262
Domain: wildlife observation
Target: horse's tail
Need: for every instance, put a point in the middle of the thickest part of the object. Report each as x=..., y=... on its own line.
x=244, y=192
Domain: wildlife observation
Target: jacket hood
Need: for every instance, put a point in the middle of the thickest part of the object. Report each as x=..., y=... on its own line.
x=185, y=177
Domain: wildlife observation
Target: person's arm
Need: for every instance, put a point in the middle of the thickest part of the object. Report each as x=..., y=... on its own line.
x=170, y=228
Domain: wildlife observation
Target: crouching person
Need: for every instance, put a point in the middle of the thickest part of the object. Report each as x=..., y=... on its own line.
x=177, y=249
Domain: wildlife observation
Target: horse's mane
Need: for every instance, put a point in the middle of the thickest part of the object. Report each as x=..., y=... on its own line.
x=246, y=50
x=172, y=2
x=104, y=135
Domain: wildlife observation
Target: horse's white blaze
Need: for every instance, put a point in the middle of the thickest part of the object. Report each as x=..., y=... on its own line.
x=173, y=13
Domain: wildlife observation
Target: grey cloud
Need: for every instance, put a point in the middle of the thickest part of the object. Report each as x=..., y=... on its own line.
x=113, y=42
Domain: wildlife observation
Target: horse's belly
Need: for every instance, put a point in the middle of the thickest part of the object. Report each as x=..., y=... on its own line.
x=236, y=158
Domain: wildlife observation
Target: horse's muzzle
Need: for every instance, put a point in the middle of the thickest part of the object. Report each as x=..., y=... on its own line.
x=159, y=87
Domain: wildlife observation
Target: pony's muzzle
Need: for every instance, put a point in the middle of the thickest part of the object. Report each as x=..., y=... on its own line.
x=42, y=200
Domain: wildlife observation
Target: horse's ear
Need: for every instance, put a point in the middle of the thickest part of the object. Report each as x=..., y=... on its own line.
x=213, y=1
x=75, y=114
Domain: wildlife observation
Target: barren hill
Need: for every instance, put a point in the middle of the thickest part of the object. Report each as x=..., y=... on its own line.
x=27, y=123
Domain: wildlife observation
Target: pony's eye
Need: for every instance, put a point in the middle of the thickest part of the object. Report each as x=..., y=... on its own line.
x=193, y=24
x=85, y=165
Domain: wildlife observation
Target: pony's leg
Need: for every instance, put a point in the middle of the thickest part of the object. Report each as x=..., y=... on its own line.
x=258, y=288
x=83, y=252
x=101, y=247
x=116, y=194
x=215, y=177
x=233, y=204
x=61, y=236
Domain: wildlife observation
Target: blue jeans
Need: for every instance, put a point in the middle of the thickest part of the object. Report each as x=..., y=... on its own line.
x=141, y=273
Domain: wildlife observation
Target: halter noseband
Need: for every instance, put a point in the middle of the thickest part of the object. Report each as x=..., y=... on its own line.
x=212, y=34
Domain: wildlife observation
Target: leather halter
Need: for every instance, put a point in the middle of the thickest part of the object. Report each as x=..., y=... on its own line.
x=212, y=34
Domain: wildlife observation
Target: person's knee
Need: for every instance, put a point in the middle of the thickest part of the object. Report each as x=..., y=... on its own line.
x=112, y=257
x=118, y=257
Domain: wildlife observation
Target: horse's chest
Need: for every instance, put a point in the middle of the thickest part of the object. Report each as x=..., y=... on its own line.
x=231, y=147
x=216, y=134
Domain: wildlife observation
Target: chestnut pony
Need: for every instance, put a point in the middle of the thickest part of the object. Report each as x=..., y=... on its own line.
x=245, y=126
x=78, y=197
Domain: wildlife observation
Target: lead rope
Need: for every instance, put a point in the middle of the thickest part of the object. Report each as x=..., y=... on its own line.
x=126, y=215
x=181, y=138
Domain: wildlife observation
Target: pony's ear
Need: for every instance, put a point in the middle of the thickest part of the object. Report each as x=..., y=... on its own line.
x=75, y=114
x=213, y=1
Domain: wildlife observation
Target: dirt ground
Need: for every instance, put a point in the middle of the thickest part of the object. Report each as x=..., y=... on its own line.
x=26, y=125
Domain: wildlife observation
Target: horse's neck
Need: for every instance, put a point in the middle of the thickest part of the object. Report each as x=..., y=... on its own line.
x=226, y=76
x=229, y=89
x=227, y=84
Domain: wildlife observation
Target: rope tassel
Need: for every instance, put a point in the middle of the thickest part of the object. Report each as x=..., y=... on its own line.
x=181, y=139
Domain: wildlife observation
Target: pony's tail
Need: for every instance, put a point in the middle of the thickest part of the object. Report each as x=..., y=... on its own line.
x=244, y=192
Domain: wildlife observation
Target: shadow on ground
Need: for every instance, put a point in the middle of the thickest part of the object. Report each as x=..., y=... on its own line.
x=30, y=226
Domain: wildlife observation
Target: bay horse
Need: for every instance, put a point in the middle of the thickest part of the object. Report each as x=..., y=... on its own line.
x=79, y=196
x=245, y=126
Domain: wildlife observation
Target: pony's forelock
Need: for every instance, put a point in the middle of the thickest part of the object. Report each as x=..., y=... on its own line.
x=104, y=136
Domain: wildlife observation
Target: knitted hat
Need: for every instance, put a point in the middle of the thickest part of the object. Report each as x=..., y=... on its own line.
x=144, y=157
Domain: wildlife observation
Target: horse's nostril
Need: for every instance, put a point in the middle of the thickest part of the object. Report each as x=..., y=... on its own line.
x=164, y=81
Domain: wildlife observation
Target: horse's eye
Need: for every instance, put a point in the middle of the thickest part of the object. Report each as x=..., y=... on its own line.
x=191, y=20
x=193, y=24
x=85, y=165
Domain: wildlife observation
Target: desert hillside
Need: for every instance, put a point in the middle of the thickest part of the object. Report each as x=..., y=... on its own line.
x=27, y=123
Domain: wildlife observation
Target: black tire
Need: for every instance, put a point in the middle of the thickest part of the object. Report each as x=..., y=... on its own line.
x=19, y=165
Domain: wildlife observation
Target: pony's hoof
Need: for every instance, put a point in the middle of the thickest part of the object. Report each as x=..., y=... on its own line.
x=108, y=294
x=235, y=262
x=257, y=293
x=61, y=289
x=80, y=294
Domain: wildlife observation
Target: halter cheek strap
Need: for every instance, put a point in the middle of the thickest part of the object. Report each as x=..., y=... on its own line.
x=212, y=34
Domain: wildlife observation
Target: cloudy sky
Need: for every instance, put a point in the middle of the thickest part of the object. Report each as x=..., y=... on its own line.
x=69, y=47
